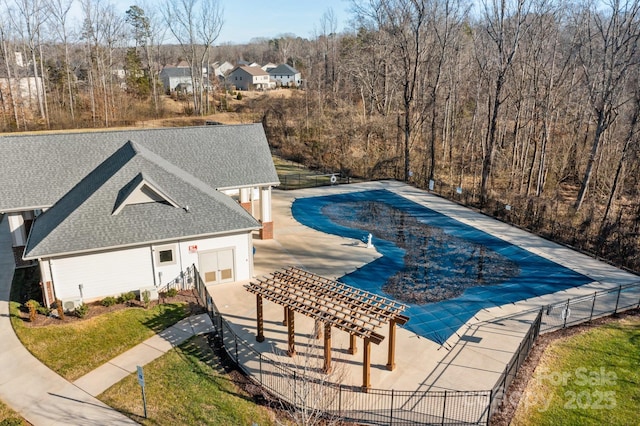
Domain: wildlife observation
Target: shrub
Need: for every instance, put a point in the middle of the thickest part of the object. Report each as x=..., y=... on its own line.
x=172, y=292
x=146, y=298
x=33, y=306
x=60, y=309
x=109, y=301
x=82, y=310
x=43, y=310
x=239, y=96
x=126, y=297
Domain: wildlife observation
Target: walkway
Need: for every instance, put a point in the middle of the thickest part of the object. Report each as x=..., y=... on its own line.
x=43, y=397
x=102, y=378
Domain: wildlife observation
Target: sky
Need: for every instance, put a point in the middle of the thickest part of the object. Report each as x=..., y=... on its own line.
x=244, y=20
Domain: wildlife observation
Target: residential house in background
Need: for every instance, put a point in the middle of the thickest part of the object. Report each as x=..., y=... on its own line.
x=285, y=75
x=221, y=69
x=23, y=85
x=176, y=79
x=268, y=67
x=110, y=212
x=243, y=63
x=249, y=78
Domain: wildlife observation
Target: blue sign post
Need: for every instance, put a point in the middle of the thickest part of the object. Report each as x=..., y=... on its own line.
x=141, y=383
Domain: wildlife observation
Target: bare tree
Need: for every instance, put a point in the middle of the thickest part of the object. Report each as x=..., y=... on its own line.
x=196, y=25
x=59, y=12
x=311, y=391
x=29, y=19
x=607, y=48
x=504, y=23
x=4, y=40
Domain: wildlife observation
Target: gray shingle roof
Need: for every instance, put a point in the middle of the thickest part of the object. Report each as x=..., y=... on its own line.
x=37, y=170
x=85, y=212
x=254, y=71
x=175, y=72
x=283, y=69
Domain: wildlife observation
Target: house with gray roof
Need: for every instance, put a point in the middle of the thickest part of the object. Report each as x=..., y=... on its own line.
x=176, y=79
x=109, y=212
x=285, y=75
x=249, y=78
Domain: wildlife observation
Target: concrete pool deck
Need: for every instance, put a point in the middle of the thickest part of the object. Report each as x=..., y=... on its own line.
x=474, y=362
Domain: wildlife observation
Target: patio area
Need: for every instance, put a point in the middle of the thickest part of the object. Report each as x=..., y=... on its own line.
x=473, y=358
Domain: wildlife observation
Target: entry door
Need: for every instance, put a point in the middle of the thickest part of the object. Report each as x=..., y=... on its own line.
x=216, y=267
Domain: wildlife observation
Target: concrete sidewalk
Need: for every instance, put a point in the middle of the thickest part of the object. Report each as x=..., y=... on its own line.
x=43, y=397
x=110, y=373
x=38, y=394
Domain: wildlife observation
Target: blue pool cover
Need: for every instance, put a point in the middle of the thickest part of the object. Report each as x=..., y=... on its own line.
x=439, y=320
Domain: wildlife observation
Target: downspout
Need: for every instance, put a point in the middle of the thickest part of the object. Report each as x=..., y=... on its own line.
x=153, y=266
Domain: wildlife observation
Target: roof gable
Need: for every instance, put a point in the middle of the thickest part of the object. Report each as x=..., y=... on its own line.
x=86, y=212
x=36, y=170
x=141, y=190
x=283, y=69
x=253, y=71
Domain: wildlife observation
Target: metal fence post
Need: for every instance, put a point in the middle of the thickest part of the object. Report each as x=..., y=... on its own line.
x=444, y=407
x=566, y=314
x=615, y=311
x=490, y=405
x=295, y=388
x=595, y=293
x=391, y=415
x=236, y=342
x=340, y=400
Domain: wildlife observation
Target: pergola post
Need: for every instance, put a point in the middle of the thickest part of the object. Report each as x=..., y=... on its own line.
x=260, y=318
x=366, y=366
x=391, y=360
x=353, y=348
x=317, y=329
x=291, y=333
x=327, y=348
x=286, y=314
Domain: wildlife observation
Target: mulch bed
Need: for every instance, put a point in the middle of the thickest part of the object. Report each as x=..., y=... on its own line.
x=96, y=309
x=504, y=415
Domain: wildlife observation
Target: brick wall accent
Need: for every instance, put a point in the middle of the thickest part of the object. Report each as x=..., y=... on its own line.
x=246, y=206
x=48, y=288
x=266, y=233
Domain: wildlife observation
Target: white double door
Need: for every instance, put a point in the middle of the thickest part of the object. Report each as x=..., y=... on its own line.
x=217, y=266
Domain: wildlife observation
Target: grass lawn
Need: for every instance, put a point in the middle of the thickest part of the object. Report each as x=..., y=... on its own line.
x=8, y=417
x=187, y=385
x=75, y=348
x=592, y=378
x=286, y=167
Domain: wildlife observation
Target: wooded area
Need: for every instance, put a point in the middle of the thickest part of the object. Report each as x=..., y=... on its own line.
x=526, y=109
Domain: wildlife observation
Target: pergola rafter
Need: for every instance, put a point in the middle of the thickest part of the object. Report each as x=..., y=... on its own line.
x=332, y=303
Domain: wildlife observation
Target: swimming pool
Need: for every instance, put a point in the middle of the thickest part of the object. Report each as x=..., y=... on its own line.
x=445, y=271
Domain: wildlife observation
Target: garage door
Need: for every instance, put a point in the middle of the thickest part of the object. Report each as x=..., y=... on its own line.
x=216, y=266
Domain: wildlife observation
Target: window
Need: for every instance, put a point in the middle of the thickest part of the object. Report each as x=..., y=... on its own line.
x=165, y=255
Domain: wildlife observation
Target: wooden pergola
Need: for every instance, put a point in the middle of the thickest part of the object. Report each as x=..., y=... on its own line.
x=333, y=304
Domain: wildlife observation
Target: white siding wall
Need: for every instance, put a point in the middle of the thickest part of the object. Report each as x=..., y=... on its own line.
x=241, y=244
x=116, y=272
x=102, y=274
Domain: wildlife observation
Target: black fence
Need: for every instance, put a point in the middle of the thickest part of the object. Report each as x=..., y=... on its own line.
x=304, y=180
x=312, y=395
